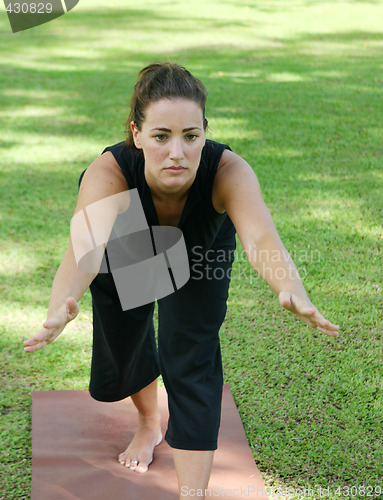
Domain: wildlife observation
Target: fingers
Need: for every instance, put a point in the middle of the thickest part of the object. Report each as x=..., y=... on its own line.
x=34, y=347
x=52, y=327
x=308, y=313
x=330, y=333
x=45, y=336
x=41, y=339
x=313, y=318
x=323, y=325
x=317, y=321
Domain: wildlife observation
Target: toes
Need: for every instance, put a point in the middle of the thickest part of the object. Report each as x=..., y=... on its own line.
x=122, y=458
x=141, y=468
x=133, y=465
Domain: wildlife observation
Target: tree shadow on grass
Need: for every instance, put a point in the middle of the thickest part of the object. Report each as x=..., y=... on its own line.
x=276, y=6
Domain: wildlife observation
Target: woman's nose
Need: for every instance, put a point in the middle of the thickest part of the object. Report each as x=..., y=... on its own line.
x=176, y=150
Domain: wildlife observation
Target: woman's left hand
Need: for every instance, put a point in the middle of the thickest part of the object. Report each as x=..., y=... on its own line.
x=307, y=312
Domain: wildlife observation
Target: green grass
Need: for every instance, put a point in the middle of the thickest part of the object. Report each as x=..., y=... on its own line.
x=296, y=89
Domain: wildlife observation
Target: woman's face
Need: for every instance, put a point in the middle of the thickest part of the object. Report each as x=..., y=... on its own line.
x=172, y=137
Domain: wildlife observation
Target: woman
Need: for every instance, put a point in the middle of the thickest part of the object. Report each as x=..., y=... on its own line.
x=208, y=192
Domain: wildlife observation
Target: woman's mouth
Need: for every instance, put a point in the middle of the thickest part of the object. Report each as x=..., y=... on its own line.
x=175, y=169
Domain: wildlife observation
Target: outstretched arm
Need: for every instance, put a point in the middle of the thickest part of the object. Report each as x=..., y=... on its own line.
x=68, y=287
x=237, y=191
x=102, y=180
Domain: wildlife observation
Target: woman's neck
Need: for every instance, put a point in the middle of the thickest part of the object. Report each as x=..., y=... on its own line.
x=168, y=195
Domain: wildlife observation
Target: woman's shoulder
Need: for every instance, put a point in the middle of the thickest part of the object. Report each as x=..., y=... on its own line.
x=101, y=180
x=211, y=158
x=129, y=160
x=105, y=169
x=233, y=172
x=123, y=154
x=213, y=150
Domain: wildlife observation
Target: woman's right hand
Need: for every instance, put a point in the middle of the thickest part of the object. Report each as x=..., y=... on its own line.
x=53, y=326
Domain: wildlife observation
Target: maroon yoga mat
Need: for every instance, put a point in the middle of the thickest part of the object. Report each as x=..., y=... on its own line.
x=76, y=441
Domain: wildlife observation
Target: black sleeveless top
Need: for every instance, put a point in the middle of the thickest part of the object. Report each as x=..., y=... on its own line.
x=202, y=226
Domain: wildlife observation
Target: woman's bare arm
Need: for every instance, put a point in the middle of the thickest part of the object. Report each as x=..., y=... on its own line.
x=237, y=191
x=102, y=180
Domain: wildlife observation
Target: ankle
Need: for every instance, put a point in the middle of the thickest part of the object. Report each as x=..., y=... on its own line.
x=152, y=419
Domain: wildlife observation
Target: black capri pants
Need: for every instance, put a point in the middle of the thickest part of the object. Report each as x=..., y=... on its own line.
x=125, y=358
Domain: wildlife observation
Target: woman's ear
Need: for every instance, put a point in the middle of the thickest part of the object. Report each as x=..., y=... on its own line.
x=135, y=134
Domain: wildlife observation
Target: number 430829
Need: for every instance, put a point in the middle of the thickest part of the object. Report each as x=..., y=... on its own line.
x=29, y=8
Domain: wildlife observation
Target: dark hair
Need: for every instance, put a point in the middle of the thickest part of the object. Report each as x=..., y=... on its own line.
x=162, y=81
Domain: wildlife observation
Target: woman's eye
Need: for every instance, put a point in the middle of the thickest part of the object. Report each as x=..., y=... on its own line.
x=191, y=137
x=160, y=137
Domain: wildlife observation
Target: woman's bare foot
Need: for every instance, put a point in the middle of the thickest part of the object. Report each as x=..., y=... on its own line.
x=139, y=454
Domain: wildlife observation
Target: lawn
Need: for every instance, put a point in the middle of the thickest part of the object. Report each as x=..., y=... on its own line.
x=296, y=88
